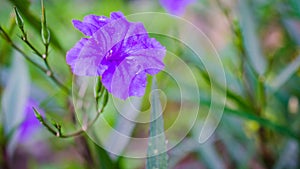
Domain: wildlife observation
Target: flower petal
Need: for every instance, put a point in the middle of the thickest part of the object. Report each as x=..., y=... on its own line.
x=138, y=85
x=129, y=77
x=85, y=56
x=118, y=30
x=31, y=124
x=90, y=24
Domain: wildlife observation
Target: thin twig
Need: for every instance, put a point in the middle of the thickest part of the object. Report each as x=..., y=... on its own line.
x=48, y=71
x=74, y=134
x=6, y=37
x=24, y=39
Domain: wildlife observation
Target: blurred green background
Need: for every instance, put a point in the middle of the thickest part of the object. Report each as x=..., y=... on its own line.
x=257, y=42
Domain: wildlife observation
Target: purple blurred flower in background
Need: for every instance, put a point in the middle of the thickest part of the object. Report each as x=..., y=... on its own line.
x=176, y=7
x=29, y=143
x=30, y=125
x=119, y=51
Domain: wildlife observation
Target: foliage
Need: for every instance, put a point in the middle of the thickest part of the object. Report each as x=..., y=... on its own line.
x=256, y=42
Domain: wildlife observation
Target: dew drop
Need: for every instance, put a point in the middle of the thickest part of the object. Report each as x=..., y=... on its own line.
x=155, y=151
x=101, y=19
x=130, y=58
x=109, y=53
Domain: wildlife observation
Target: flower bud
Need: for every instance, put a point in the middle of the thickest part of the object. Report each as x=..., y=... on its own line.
x=45, y=34
x=98, y=87
x=19, y=19
x=38, y=115
x=45, y=31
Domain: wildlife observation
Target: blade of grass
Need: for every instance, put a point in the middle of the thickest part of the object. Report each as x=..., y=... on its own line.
x=284, y=130
x=279, y=128
x=105, y=162
x=286, y=73
x=156, y=154
x=250, y=39
x=103, y=157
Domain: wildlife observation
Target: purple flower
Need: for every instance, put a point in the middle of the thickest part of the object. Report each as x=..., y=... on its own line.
x=30, y=124
x=175, y=7
x=119, y=51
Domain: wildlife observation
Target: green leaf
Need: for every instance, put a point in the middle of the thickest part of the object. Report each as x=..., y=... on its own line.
x=210, y=155
x=157, y=157
x=279, y=128
x=104, y=160
x=287, y=156
x=286, y=73
x=284, y=130
x=251, y=42
x=15, y=94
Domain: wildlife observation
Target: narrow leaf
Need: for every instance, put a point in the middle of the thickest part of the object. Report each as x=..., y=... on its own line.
x=279, y=128
x=286, y=73
x=251, y=42
x=103, y=157
x=282, y=129
x=157, y=157
x=105, y=162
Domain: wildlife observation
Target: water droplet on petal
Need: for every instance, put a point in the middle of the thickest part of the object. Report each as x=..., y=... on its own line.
x=101, y=19
x=130, y=58
x=109, y=53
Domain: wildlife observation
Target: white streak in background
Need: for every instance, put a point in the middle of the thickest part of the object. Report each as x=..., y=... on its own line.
x=285, y=75
x=287, y=156
x=292, y=28
x=117, y=142
x=207, y=54
x=15, y=97
x=15, y=94
x=251, y=41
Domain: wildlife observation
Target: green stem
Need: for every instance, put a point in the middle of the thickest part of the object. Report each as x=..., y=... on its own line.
x=5, y=36
x=76, y=133
x=48, y=71
x=25, y=40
